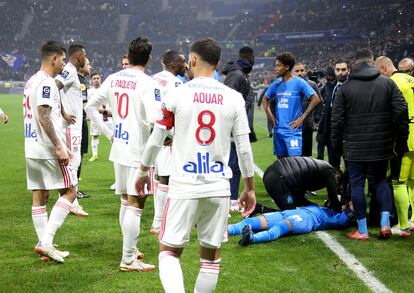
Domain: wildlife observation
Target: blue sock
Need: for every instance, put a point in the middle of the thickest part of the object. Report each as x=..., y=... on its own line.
x=385, y=219
x=362, y=226
x=236, y=229
x=280, y=229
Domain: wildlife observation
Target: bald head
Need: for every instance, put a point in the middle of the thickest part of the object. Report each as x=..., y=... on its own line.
x=385, y=65
x=406, y=65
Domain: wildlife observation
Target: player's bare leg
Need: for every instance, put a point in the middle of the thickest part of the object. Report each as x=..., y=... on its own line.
x=130, y=231
x=171, y=274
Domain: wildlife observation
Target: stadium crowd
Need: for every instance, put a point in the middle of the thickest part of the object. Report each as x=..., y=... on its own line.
x=98, y=25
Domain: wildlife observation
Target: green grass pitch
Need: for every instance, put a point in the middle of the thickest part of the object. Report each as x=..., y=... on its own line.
x=291, y=264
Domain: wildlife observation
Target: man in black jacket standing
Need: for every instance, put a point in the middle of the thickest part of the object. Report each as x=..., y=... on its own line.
x=329, y=91
x=237, y=78
x=367, y=109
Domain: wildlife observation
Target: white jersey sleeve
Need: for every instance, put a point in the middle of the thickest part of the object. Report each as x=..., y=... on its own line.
x=71, y=95
x=100, y=97
x=68, y=75
x=45, y=93
x=151, y=103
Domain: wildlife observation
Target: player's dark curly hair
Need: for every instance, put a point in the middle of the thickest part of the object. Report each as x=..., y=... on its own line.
x=139, y=51
x=170, y=56
x=75, y=47
x=287, y=59
x=208, y=49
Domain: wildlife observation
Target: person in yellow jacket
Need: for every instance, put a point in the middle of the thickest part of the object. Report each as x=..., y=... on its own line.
x=404, y=185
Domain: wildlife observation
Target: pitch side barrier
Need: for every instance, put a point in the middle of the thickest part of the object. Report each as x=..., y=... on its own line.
x=12, y=87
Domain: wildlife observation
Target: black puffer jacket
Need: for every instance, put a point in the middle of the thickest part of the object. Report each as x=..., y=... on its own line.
x=366, y=111
x=313, y=117
x=303, y=173
x=237, y=78
x=324, y=131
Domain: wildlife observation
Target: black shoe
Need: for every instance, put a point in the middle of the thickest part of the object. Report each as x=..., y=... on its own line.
x=81, y=195
x=252, y=136
x=247, y=236
x=270, y=135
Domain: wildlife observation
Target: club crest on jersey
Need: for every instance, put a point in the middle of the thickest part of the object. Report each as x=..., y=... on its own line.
x=29, y=132
x=203, y=165
x=120, y=134
x=46, y=92
x=157, y=94
x=294, y=143
x=64, y=74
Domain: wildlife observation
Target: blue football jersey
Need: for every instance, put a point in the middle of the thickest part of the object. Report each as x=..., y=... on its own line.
x=288, y=96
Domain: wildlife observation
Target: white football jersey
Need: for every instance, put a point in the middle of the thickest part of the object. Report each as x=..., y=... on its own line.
x=167, y=81
x=132, y=96
x=40, y=90
x=71, y=95
x=204, y=113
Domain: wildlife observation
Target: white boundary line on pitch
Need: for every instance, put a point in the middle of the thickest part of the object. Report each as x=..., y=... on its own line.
x=349, y=259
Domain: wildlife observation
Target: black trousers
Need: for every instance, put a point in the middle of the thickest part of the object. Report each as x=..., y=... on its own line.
x=307, y=142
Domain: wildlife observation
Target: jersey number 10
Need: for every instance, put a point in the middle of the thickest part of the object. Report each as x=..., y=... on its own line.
x=122, y=100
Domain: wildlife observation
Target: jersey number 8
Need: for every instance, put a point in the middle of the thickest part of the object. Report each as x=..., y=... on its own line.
x=200, y=134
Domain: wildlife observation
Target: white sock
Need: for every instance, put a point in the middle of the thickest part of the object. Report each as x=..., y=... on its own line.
x=130, y=228
x=171, y=274
x=95, y=145
x=39, y=217
x=159, y=201
x=208, y=276
x=122, y=213
x=57, y=217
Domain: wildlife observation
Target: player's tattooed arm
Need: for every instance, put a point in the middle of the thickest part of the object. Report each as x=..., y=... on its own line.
x=59, y=84
x=47, y=125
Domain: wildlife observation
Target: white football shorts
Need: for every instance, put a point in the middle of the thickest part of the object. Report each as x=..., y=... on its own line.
x=49, y=175
x=210, y=214
x=125, y=178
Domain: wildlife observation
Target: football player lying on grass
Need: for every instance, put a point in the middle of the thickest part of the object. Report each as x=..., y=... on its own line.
x=303, y=220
